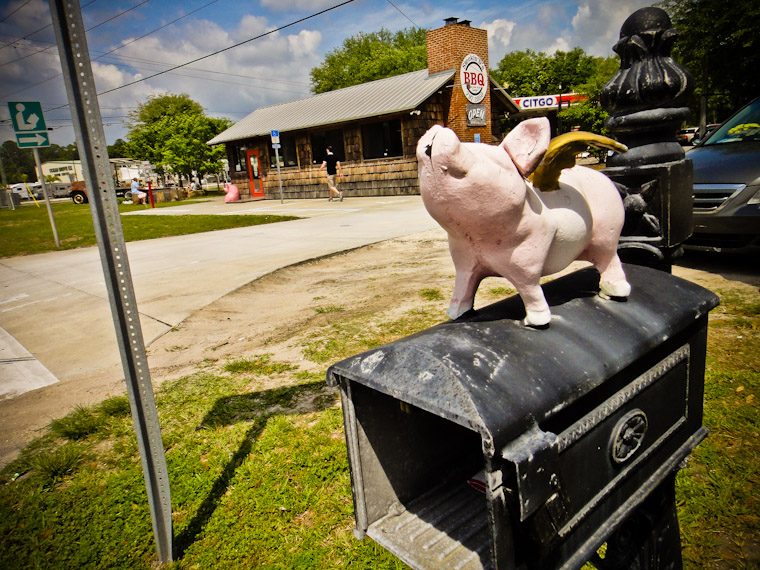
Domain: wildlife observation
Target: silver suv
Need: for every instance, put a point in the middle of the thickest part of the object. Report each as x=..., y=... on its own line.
x=727, y=184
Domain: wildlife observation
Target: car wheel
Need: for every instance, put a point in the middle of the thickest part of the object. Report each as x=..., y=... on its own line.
x=79, y=198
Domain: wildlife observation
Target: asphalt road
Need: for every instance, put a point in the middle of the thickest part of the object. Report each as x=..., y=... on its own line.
x=56, y=326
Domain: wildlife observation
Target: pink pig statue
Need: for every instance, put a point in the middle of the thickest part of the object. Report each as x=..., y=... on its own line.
x=501, y=223
x=232, y=194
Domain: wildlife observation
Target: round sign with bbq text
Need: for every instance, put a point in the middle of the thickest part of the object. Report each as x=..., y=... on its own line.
x=473, y=76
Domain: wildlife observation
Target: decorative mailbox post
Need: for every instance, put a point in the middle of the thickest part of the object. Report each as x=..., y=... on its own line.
x=646, y=100
x=482, y=443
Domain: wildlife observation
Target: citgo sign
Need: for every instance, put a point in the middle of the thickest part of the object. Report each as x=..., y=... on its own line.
x=548, y=101
x=473, y=76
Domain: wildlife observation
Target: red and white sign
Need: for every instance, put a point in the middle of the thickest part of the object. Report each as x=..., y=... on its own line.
x=473, y=76
x=547, y=101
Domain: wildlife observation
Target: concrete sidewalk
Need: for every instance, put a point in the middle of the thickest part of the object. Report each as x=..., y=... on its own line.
x=55, y=305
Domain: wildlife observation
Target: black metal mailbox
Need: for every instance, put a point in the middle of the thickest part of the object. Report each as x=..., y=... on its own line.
x=481, y=443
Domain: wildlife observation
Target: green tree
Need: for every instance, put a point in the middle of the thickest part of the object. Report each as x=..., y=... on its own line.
x=366, y=57
x=527, y=73
x=589, y=114
x=119, y=149
x=186, y=150
x=18, y=163
x=719, y=43
x=171, y=131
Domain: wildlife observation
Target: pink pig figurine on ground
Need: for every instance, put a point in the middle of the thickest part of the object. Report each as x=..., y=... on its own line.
x=499, y=223
x=232, y=194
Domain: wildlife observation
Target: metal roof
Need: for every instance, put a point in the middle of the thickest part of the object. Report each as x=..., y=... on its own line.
x=372, y=99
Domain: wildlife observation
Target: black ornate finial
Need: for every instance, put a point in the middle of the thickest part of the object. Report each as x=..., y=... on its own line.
x=646, y=98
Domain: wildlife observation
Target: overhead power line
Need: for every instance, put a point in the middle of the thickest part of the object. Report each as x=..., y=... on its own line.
x=116, y=48
x=40, y=29
x=119, y=15
x=228, y=48
x=402, y=13
x=16, y=10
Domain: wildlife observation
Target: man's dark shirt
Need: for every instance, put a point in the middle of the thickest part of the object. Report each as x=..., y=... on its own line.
x=331, y=161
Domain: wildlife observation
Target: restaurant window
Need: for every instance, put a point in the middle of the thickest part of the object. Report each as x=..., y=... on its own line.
x=238, y=158
x=322, y=139
x=382, y=140
x=287, y=152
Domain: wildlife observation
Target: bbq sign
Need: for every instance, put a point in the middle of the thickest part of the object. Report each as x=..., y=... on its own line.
x=473, y=76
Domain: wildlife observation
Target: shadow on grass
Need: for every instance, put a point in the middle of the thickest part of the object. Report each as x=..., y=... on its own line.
x=257, y=407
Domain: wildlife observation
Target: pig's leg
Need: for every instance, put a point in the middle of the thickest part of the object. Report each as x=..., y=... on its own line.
x=469, y=274
x=537, y=312
x=523, y=267
x=612, y=282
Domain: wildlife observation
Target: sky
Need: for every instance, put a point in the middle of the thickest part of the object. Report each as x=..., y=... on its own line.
x=131, y=40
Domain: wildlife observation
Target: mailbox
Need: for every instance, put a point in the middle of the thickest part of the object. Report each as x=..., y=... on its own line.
x=482, y=443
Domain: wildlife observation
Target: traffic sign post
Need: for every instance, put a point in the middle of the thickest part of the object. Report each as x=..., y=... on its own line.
x=91, y=140
x=41, y=178
x=276, y=146
x=31, y=132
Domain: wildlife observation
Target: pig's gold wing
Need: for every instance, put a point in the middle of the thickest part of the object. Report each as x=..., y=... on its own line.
x=561, y=154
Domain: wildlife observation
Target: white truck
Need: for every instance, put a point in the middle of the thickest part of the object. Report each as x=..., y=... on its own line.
x=55, y=190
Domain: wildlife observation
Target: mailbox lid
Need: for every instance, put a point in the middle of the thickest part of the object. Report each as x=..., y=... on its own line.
x=489, y=372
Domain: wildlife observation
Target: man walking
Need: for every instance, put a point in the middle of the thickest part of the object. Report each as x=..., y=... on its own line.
x=333, y=166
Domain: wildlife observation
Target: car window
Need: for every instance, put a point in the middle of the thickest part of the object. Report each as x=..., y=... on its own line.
x=742, y=127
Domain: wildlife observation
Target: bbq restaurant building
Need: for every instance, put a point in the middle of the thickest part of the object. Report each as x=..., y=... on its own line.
x=373, y=127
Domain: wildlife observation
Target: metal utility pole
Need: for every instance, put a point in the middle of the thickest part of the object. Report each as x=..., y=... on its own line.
x=85, y=111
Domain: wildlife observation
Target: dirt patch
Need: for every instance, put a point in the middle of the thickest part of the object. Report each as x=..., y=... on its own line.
x=272, y=314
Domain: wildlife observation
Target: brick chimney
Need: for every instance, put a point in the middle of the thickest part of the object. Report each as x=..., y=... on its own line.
x=446, y=49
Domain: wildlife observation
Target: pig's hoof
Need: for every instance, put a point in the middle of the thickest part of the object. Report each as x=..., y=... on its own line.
x=456, y=311
x=537, y=318
x=619, y=289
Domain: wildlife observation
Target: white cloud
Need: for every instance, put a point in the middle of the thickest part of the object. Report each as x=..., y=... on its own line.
x=596, y=24
x=312, y=5
x=305, y=43
x=499, y=39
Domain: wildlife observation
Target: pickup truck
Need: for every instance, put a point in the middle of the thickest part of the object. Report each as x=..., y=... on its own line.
x=78, y=192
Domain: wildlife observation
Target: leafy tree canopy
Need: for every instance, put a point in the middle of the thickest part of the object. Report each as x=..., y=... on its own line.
x=119, y=149
x=527, y=73
x=366, y=57
x=159, y=106
x=719, y=43
x=171, y=131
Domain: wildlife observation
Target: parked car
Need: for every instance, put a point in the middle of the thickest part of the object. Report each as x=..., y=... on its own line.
x=685, y=136
x=709, y=129
x=727, y=184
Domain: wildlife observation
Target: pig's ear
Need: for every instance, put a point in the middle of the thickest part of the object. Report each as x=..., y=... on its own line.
x=527, y=143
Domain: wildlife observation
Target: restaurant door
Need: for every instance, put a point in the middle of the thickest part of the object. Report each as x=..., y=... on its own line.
x=254, y=174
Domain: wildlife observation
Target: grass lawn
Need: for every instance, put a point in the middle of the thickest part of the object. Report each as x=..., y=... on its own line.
x=27, y=230
x=259, y=474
